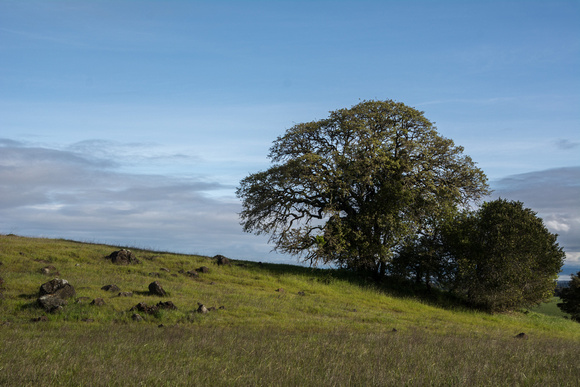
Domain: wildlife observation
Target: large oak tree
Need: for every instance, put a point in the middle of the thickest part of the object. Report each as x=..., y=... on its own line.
x=350, y=188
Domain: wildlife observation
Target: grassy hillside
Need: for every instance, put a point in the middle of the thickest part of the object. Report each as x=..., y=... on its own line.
x=279, y=325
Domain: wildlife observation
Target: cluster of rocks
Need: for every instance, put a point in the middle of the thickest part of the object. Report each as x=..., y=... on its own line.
x=54, y=295
x=152, y=309
x=115, y=289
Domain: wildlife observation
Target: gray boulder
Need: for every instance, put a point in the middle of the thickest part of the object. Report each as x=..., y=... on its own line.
x=51, y=303
x=58, y=287
x=53, y=294
x=123, y=257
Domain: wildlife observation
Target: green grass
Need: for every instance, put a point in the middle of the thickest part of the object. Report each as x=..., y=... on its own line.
x=339, y=332
x=550, y=308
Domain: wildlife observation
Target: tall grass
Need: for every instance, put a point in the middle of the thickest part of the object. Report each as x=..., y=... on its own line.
x=189, y=355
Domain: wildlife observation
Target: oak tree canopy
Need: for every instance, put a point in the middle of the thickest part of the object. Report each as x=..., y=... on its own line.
x=348, y=189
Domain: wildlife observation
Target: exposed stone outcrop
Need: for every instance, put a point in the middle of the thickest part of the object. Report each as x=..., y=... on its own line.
x=111, y=288
x=221, y=260
x=143, y=307
x=123, y=257
x=59, y=287
x=51, y=303
x=98, y=302
x=166, y=305
x=53, y=294
x=156, y=289
x=152, y=309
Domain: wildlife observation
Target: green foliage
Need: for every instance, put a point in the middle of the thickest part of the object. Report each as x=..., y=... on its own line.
x=505, y=257
x=571, y=298
x=350, y=188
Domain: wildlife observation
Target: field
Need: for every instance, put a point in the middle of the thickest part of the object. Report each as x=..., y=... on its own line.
x=278, y=325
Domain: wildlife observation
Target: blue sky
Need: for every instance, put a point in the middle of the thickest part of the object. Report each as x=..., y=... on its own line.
x=132, y=122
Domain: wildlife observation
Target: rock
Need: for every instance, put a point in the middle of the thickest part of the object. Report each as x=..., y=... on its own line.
x=39, y=319
x=156, y=289
x=125, y=294
x=522, y=336
x=111, y=288
x=47, y=270
x=123, y=257
x=59, y=287
x=221, y=260
x=301, y=293
x=51, y=303
x=143, y=307
x=192, y=273
x=203, y=269
x=280, y=290
x=154, y=274
x=201, y=309
x=164, y=269
x=136, y=317
x=82, y=300
x=166, y=305
x=160, y=326
x=98, y=302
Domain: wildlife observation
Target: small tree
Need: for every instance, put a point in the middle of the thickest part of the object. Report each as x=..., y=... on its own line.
x=425, y=259
x=570, y=297
x=506, y=258
x=349, y=189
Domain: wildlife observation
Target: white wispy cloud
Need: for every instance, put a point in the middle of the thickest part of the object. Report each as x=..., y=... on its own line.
x=64, y=193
